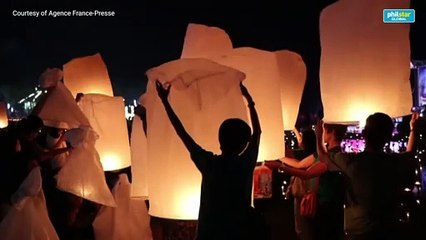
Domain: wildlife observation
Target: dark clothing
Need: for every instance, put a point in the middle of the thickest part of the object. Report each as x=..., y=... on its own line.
x=226, y=188
x=329, y=216
x=15, y=164
x=300, y=153
x=331, y=188
x=373, y=181
x=328, y=221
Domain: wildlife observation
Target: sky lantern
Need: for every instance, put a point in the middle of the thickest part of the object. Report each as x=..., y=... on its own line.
x=263, y=82
x=365, y=63
x=82, y=174
x=203, y=94
x=204, y=41
x=262, y=79
x=28, y=208
x=4, y=119
x=87, y=74
x=57, y=107
x=292, y=71
x=107, y=117
x=128, y=220
x=139, y=154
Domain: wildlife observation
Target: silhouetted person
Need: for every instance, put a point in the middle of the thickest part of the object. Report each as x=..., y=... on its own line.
x=304, y=157
x=22, y=153
x=226, y=188
x=328, y=220
x=16, y=159
x=373, y=179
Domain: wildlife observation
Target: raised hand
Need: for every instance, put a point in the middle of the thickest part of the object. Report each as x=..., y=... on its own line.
x=414, y=118
x=163, y=93
x=319, y=128
x=245, y=93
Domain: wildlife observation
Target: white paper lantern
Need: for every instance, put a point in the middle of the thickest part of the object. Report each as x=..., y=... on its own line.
x=82, y=174
x=139, y=151
x=129, y=220
x=29, y=210
x=203, y=41
x=107, y=117
x=263, y=82
x=58, y=109
x=292, y=70
x=87, y=75
x=4, y=119
x=203, y=94
x=364, y=62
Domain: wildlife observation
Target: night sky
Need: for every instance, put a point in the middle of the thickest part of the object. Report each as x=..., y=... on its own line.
x=142, y=36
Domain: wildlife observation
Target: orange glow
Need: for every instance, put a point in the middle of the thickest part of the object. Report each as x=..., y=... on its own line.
x=4, y=120
x=292, y=70
x=203, y=94
x=138, y=147
x=263, y=82
x=87, y=75
x=107, y=117
x=203, y=41
x=364, y=63
x=262, y=79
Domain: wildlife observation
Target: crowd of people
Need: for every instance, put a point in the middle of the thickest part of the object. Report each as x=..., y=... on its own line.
x=28, y=144
x=352, y=202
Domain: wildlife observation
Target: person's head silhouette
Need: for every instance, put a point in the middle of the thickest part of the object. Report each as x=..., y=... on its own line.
x=308, y=140
x=30, y=127
x=378, y=131
x=334, y=131
x=234, y=135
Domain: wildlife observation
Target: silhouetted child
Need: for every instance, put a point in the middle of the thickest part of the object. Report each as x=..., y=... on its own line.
x=225, y=207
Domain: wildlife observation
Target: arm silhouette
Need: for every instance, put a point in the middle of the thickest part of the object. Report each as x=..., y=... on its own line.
x=187, y=140
x=255, y=138
x=316, y=170
x=412, y=136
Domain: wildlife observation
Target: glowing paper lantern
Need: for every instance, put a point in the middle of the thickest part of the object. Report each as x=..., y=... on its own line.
x=203, y=94
x=263, y=82
x=129, y=220
x=82, y=175
x=87, y=75
x=29, y=210
x=364, y=62
x=58, y=109
x=204, y=41
x=4, y=120
x=107, y=117
x=293, y=75
x=139, y=151
x=263, y=79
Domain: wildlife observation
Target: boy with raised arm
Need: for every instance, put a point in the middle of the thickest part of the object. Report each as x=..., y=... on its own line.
x=226, y=188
